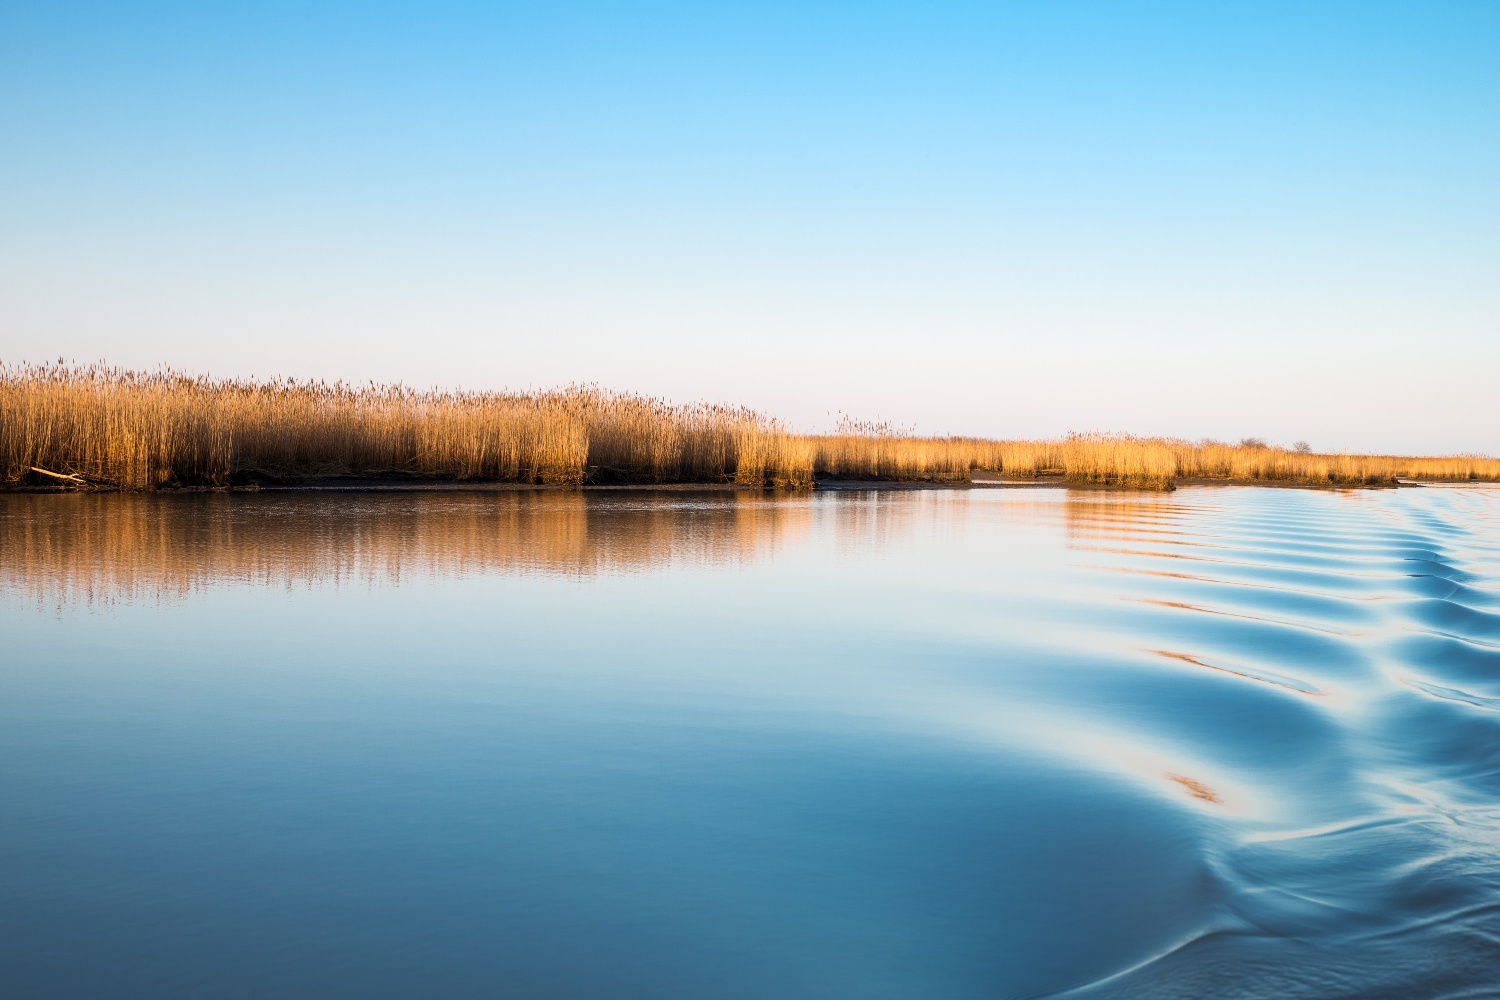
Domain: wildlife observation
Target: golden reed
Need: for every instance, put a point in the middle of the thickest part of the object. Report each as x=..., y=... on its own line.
x=129, y=430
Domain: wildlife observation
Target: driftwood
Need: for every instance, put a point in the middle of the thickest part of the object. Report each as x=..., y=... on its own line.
x=65, y=477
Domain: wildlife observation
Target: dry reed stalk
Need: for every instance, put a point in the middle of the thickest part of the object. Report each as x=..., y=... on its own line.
x=1118, y=460
x=904, y=458
x=138, y=431
x=878, y=451
x=1157, y=462
x=768, y=456
x=144, y=431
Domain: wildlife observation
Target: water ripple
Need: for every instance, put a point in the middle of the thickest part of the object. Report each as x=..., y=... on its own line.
x=1225, y=742
x=1393, y=889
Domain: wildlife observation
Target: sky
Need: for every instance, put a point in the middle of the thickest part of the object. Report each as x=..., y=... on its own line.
x=1192, y=219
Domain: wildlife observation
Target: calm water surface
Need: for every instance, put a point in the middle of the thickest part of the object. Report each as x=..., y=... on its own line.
x=992, y=743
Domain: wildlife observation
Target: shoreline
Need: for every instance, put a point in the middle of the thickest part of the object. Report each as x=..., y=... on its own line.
x=979, y=480
x=103, y=428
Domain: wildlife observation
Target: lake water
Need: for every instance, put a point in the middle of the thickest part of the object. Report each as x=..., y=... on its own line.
x=1222, y=742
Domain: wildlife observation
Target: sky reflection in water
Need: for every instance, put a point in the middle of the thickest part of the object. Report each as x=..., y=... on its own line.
x=1226, y=742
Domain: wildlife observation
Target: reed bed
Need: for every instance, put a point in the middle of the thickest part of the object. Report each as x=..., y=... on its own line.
x=105, y=427
x=133, y=430
x=880, y=452
x=1156, y=463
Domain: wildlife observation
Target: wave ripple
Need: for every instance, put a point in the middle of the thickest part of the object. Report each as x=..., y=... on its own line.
x=1380, y=875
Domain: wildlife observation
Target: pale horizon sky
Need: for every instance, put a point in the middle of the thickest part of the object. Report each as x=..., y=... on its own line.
x=1279, y=220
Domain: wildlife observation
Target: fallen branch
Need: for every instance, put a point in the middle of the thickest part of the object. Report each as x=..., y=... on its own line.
x=65, y=477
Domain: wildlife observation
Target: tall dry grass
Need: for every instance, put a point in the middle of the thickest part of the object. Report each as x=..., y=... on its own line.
x=143, y=431
x=133, y=430
x=1125, y=460
x=859, y=450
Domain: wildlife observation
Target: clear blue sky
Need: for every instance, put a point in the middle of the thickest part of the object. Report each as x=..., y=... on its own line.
x=1194, y=219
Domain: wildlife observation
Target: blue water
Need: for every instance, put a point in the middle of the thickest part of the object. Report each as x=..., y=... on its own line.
x=1224, y=742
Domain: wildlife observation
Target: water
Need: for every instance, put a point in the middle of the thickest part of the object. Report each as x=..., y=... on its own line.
x=991, y=743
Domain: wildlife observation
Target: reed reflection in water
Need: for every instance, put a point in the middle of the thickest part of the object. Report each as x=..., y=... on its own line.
x=83, y=547
x=1222, y=742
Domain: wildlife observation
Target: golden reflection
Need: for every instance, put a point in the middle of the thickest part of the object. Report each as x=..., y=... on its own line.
x=120, y=547
x=1181, y=606
x=1196, y=788
x=1102, y=521
x=881, y=518
x=1301, y=687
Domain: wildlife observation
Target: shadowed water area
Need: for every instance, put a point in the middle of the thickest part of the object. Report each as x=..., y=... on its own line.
x=1224, y=742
